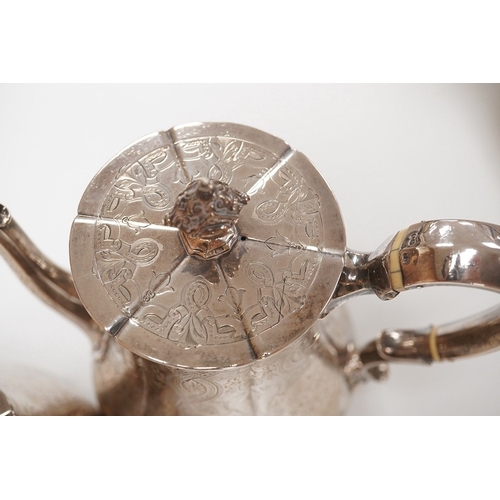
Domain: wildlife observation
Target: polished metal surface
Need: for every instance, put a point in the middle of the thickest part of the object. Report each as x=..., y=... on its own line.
x=137, y=280
x=211, y=259
x=47, y=280
x=440, y=252
x=305, y=378
x=4, y=216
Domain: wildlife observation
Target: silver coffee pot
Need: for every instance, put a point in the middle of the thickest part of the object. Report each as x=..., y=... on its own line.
x=208, y=264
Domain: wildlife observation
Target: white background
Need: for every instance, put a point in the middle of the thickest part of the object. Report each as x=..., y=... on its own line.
x=393, y=155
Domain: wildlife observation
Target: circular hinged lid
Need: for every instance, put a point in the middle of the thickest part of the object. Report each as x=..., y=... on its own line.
x=206, y=246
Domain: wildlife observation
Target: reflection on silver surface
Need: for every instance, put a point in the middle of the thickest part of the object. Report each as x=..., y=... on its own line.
x=238, y=332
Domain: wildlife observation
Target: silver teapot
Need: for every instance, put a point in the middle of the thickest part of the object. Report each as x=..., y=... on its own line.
x=208, y=264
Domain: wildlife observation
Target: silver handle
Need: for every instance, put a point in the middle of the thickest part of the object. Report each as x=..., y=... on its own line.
x=439, y=252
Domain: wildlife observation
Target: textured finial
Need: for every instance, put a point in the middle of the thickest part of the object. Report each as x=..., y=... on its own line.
x=206, y=213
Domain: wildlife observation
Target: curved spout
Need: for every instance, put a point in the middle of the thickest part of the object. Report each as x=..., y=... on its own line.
x=48, y=281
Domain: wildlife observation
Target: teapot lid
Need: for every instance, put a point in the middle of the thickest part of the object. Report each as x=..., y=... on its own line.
x=207, y=246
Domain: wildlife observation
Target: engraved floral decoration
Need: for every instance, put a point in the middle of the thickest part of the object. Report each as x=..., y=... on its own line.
x=144, y=180
x=191, y=320
x=184, y=193
x=219, y=158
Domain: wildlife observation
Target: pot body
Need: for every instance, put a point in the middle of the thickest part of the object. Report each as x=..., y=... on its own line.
x=305, y=378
